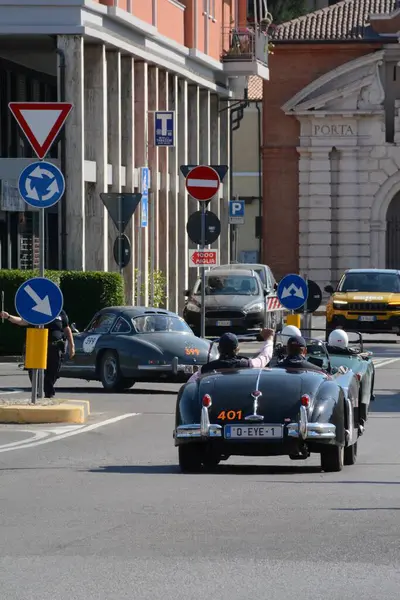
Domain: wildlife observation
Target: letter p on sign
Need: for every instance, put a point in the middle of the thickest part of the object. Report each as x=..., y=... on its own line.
x=236, y=212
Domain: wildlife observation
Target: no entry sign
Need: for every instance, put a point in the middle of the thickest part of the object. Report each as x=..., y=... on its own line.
x=202, y=183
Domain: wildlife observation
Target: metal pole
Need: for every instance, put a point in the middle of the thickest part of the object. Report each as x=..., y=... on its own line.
x=40, y=374
x=120, y=233
x=152, y=246
x=203, y=271
x=305, y=315
x=34, y=386
x=139, y=262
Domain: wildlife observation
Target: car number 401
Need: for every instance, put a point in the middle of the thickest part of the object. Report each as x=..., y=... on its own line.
x=231, y=415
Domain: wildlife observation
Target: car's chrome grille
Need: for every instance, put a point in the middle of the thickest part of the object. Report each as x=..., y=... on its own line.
x=224, y=314
x=362, y=306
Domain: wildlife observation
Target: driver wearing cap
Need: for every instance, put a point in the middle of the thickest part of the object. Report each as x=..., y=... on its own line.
x=228, y=347
x=296, y=352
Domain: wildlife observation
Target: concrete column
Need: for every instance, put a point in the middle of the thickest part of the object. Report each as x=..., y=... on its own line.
x=205, y=127
x=183, y=276
x=225, y=137
x=154, y=166
x=73, y=48
x=163, y=200
x=128, y=161
x=96, y=150
x=141, y=159
x=193, y=158
x=174, y=163
x=114, y=141
x=215, y=150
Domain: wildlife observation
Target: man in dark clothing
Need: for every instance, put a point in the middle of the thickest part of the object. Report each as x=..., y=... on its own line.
x=295, y=359
x=59, y=329
x=228, y=346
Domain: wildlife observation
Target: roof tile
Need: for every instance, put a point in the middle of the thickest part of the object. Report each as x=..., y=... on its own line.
x=346, y=20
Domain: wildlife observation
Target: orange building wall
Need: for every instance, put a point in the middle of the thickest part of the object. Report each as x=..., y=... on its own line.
x=292, y=67
x=171, y=21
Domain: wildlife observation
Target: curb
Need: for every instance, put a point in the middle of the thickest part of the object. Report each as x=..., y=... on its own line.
x=11, y=359
x=70, y=411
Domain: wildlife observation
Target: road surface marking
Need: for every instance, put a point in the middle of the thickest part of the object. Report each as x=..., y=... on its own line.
x=38, y=435
x=85, y=429
x=386, y=362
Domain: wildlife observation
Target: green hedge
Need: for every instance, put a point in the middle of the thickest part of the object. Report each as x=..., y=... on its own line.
x=84, y=294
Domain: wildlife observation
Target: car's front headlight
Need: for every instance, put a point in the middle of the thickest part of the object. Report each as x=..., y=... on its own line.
x=255, y=308
x=340, y=304
x=193, y=307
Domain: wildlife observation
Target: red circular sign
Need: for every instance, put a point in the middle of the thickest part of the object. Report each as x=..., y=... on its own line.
x=203, y=183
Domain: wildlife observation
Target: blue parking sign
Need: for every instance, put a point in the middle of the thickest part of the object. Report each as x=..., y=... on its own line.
x=164, y=128
x=236, y=211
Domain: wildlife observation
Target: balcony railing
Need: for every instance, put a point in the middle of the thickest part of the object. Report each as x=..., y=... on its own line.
x=245, y=44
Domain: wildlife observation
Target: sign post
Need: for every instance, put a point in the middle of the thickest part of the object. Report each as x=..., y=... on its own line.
x=203, y=183
x=292, y=294
x=40, y=185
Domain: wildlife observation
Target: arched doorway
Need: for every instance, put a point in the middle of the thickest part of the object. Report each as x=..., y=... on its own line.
x=393, y=234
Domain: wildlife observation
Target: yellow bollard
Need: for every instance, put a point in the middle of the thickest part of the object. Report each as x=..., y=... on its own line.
x=294, y=320
x=36, y=348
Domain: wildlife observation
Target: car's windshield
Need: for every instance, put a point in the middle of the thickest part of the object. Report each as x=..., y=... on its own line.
x=153, y=323
x=229, y=285
x=370, y=282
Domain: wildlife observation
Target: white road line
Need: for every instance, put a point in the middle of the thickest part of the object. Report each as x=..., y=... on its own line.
x=56, y=438
x=13, y=391
x=38, y=435
x=385, y=362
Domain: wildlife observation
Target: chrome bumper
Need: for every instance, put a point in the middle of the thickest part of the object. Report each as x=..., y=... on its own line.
x=311, y=431
x=174, y=367
x=303, y=429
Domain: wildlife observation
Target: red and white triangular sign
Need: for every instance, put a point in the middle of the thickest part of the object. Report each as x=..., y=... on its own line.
x=41, y=122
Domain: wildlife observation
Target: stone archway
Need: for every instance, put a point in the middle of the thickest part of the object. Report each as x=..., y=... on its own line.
x=393, y=234
x=380, y=212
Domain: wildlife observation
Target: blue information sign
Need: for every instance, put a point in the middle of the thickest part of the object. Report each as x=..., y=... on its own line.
x=292, y=291
x=41, y=184
x=144, y=185
x=164, y=126
x=39, y=301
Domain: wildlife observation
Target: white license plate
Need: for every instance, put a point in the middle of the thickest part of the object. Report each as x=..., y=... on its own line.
x=188, y=369
x=367, y=318
x=253, y=432
x=224, y=323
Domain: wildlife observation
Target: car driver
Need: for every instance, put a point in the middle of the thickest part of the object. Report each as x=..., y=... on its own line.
x=296, y=351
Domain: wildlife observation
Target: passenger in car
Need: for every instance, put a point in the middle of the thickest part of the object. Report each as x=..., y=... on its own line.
x=228, y=347
x=296, y=350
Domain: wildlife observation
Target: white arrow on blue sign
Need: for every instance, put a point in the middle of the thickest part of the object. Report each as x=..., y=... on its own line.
x=39, y=301
x=144, y=188
x=41, y=184
x=236, y=211
x=292, y=291
x=164, y=128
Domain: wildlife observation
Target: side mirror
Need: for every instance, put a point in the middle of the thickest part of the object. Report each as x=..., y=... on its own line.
x=275, y=286
x=329, y=289
x=266, y=292
x=74, y=328
x=186, y=293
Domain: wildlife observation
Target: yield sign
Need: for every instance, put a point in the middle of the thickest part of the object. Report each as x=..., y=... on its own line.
x=203, y=183
x=41, y=122
x=120, y=207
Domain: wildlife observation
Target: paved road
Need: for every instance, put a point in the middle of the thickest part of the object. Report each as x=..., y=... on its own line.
x=101, y=511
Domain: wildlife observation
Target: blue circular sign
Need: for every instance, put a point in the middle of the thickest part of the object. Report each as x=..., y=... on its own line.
x=292, y=292
x=39, y=301
x=41, y=184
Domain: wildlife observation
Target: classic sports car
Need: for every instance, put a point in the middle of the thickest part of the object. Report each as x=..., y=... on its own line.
x=125, y=344
x=269, y=412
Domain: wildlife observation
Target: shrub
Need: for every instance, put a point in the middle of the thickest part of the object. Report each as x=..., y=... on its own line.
x=85, y=292
x=12, y=338
x=159, y=281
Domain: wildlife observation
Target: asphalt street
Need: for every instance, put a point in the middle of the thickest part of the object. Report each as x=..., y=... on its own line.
x=101, y=511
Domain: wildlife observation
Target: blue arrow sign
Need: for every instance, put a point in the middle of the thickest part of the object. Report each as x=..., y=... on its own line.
x=292, y=292
x=41, y=184
x=39, y=301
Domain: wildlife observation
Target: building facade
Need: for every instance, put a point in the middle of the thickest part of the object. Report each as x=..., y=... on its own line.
x=119, y=61
x=331, y=154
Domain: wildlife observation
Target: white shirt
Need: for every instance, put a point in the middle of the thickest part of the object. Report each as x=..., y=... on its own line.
x=258, y=362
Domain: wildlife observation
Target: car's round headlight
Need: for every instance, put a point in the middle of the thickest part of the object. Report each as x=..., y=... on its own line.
x=255, y=308
x=193, y=307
